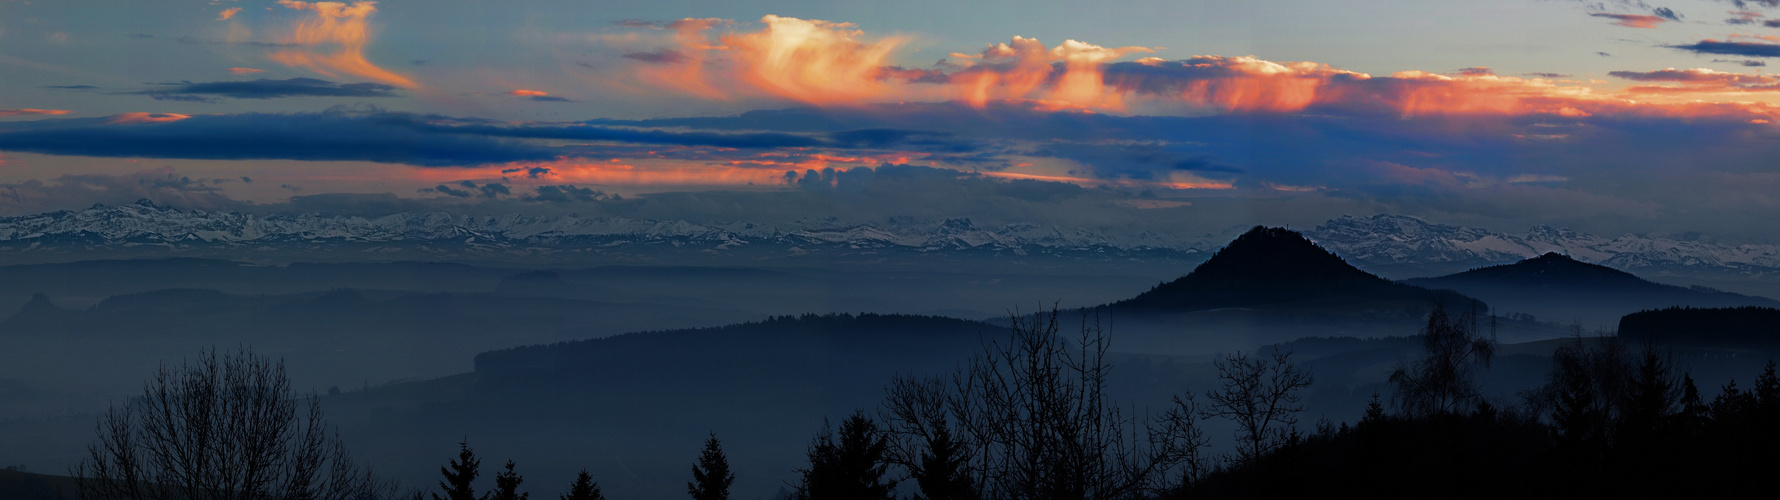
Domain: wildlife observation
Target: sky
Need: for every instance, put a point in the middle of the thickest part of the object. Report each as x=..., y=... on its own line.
x=1610, y=117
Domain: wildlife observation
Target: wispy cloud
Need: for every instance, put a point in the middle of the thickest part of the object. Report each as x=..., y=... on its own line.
x=332, y=42
x=1633, y=20
x=1734, y=48
x=32, y=111
x=537, y=95
x=269, y=89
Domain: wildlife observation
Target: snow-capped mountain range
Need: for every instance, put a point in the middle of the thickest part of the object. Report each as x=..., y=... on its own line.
x=145, y=224
x=1379, y=241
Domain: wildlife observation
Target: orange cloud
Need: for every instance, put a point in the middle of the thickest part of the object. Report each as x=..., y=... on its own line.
x=528, y=93
x=834, y=64
x=228, y=13
x=333, y=42
x=245, y=71
x=1632, y=20
x=32, y=111
x=819, y=62
x=141, y=118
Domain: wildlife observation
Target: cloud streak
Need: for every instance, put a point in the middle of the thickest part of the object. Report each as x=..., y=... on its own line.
x=1734, y=48
x=1634, y=20
x=32, y=112
x=270, y=89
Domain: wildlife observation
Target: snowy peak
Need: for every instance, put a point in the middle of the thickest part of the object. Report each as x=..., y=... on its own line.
x=146, y=224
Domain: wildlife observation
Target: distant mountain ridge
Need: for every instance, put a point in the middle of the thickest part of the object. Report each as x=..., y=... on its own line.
x=1396, y=240
x=1559, y=287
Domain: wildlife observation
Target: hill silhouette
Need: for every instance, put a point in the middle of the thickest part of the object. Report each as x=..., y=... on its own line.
x=1557, y=287
x=1731, y=327
x=1273, y=267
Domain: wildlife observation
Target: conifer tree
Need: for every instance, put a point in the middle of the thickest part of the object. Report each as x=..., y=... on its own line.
x=583, y=488
x=459, y=475
x=506, y=485
x=850, y=466
x=943, y=476
x=711, y=477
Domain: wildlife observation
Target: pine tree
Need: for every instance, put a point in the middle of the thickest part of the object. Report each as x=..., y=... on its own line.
x=711, y=477
x=459, y=475
x=583, y=488
x=506, y=485
x=849, y=466
x=943, y=476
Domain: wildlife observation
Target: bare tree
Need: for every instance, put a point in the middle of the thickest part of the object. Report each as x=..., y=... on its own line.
x=1443, y=380
x=222, y=429
x=1260, y=394
x=1034, y=421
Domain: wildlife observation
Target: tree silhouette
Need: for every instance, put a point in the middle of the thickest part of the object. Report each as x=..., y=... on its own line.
x=459, y=474
x=850, y=465
x=506, y=485
x=922, y=439
x=1030, y=419
x=221, y=428
x=583, y=488
x=1261, y=396
x=1442, y=382
x=711, y=477
x=1652, y=398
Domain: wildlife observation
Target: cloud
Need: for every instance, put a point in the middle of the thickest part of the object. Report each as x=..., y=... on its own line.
x=537, y=95
x=161, y=185
x=329, y=136
x=1633, y=20
x=1698, y=80
x=566, y=193
x=228, y=13
x=1666, y=13
x=332, y=42
x=469, y=189
x=138, y=118
x=245, y=71
x=1740, y=17
x=1749, y=49
x=271, y=89
x=1546, y=75
x=32, y=111
x=832, y=64
x=659, y=56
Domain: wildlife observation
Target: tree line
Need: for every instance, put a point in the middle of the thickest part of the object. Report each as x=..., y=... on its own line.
x=1029, y=417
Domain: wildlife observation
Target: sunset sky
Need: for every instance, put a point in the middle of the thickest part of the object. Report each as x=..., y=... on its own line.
x=1611, y=117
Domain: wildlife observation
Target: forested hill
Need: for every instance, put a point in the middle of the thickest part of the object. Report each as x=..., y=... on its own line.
x=808, y=347
x=1736, y=327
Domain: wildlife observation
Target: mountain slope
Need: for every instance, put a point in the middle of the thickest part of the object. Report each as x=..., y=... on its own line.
x=1559, y=288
